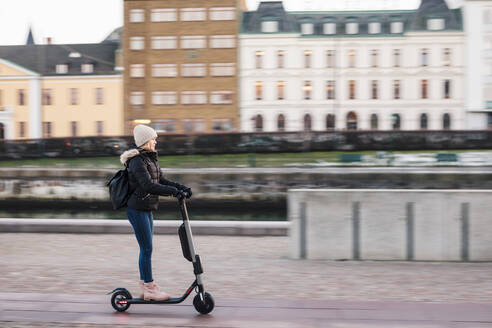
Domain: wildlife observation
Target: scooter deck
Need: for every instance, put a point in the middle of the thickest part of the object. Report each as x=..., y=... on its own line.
x=173, y=300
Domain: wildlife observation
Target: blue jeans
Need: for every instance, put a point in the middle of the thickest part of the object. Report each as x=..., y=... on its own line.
x=143, y=225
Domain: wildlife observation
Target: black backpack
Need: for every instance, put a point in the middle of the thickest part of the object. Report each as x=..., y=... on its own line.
x=119, y=189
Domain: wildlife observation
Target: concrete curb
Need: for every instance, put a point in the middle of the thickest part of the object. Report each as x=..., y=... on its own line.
x=221, y=228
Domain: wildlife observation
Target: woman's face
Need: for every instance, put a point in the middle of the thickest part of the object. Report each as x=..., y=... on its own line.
x=150, y=145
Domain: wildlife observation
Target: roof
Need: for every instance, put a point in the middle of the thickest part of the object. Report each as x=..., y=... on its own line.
x=44, y=58
x=290, y=22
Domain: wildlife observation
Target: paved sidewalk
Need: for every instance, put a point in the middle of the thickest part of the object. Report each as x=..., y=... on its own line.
x=254, y=269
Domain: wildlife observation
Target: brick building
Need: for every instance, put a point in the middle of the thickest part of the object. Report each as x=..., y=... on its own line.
x=180, y=64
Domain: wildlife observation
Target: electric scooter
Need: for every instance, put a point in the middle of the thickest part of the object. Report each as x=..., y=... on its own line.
x=203, y=301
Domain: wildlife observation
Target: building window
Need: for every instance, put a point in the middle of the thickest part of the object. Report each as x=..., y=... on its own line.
x=193, y=125
x=280, y=90
x=396, y=27
x=164, y=15
x=308, y=124
x=193, y=42
x=424, y=57
x=21, y=97
x=351, y=121
x=137, y=15
x=269, y=27
x=280, y=58
x=281, y=123
x=22, y=129
x=307, y=28
x=223, y=69
x=396, y=89
x=424, y=89
x=435, y=24
x=374, y=88
x=164, y=126
x=330, y=122
x=46, y=97
x=137, y=43
x=329, y=28
x=396, y=58
x=87, y=68
x=446, y=57
x=395, y=121
x=258, y=122
x=374, y=58
x=259, y=59
x=259, y=90
x=193, y=70
x=61, y=69
x=99, y=128
x=446, y=121
x=164, y=70
x=164, y=98
x=137, y=99
x=74, y=96
x=423, y=121
x=137, y=70
x=47, y=130
x=307, y=90
x=222, y=124
x=374, y=28
x=222, y=41
x=307, y=58
x=222, y=13
x=330, y=58
x=374, y=122
x=221, y=97
x=193, y=14
x=193, y=97
x=73, y=128
x=99, y=96
x=351, y=28
x=352, y=89
x=447, y=89
x=330, y=89
x=351, y=58
x=164, y=42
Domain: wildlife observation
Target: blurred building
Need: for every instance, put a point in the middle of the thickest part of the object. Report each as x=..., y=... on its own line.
x=60, y=90
x=379, y=70
x=180, y=60
x=478, y=27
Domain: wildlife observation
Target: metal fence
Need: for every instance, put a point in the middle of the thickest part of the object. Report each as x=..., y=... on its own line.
x=233, y=143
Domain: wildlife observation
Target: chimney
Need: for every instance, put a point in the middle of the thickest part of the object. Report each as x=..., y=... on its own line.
x=48, y=40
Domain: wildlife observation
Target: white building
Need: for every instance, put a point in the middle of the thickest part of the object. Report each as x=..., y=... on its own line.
x=478, y=27
x=380, y=70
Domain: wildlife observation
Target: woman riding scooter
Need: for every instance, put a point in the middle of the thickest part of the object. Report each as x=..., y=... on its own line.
x=147, y=184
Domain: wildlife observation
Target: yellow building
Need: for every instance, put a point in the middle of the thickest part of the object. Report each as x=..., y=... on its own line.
x=54, y=90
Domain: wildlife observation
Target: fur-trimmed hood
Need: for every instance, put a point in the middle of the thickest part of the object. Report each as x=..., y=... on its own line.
x=127, y=155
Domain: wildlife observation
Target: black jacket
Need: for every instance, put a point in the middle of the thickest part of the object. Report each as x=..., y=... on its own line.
x=146, y=179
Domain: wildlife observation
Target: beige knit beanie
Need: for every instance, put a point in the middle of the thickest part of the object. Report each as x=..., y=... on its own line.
x=142, y=134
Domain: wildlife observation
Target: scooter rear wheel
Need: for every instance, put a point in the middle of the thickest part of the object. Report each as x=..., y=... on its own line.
x=205, y=306
x=119, y=301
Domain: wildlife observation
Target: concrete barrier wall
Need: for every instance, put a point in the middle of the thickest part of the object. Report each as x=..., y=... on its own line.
x=369, y=224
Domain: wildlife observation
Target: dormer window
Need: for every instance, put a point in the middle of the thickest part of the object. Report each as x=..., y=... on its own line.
x=74, y=55
x=87, y=68
x=396, y=27
x=269, y=26
x=352, y=28
x=329, y=28
x=435, y=24
x=374, y=27
x=61, y=69
x=307, y=28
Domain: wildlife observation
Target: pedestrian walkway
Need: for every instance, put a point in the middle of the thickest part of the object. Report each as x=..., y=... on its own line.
x=95, y=311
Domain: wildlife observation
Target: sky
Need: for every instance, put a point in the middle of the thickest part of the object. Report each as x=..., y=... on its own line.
x=91, y=21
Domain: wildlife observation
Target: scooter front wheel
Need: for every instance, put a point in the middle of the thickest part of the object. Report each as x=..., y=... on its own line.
x=119, y=301
x=204, y=306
